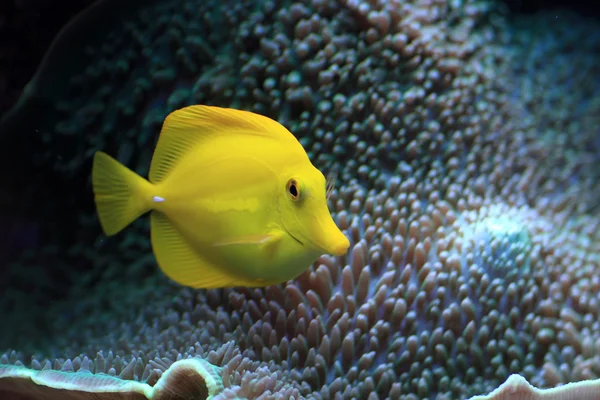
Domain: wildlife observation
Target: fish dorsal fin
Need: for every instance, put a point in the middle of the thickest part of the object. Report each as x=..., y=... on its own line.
x=190, y=126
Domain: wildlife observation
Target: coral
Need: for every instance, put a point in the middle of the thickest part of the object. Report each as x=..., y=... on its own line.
x=564, y=121
x=516, y=387
x=191, y=378
x=474, y=253
x=193, y=374
x=498, y=241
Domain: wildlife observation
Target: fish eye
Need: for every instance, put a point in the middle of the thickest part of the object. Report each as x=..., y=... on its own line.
x=293, y=189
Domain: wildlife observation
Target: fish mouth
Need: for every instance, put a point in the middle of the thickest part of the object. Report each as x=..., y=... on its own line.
x=295, y=238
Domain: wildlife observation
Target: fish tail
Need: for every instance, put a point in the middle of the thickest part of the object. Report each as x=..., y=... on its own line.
x=120, y=194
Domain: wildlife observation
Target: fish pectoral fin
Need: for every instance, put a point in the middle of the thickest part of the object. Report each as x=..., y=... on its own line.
x=181, y=262
x=266, y=240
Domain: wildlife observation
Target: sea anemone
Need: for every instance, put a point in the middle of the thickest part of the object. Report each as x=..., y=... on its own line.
x=475, y=251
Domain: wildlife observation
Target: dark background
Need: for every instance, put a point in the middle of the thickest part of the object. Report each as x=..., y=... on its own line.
x=589, y=7
x=27, y=28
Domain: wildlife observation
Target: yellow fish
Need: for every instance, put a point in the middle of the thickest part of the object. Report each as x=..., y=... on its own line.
x=235, y=200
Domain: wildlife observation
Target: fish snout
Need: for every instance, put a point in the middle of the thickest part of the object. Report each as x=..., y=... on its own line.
x=340, y=247
x=331, y=239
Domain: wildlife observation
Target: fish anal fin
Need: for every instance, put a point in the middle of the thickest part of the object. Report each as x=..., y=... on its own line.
x=181, y=262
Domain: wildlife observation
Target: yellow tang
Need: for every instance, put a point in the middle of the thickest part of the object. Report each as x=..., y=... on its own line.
x=235, y=200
